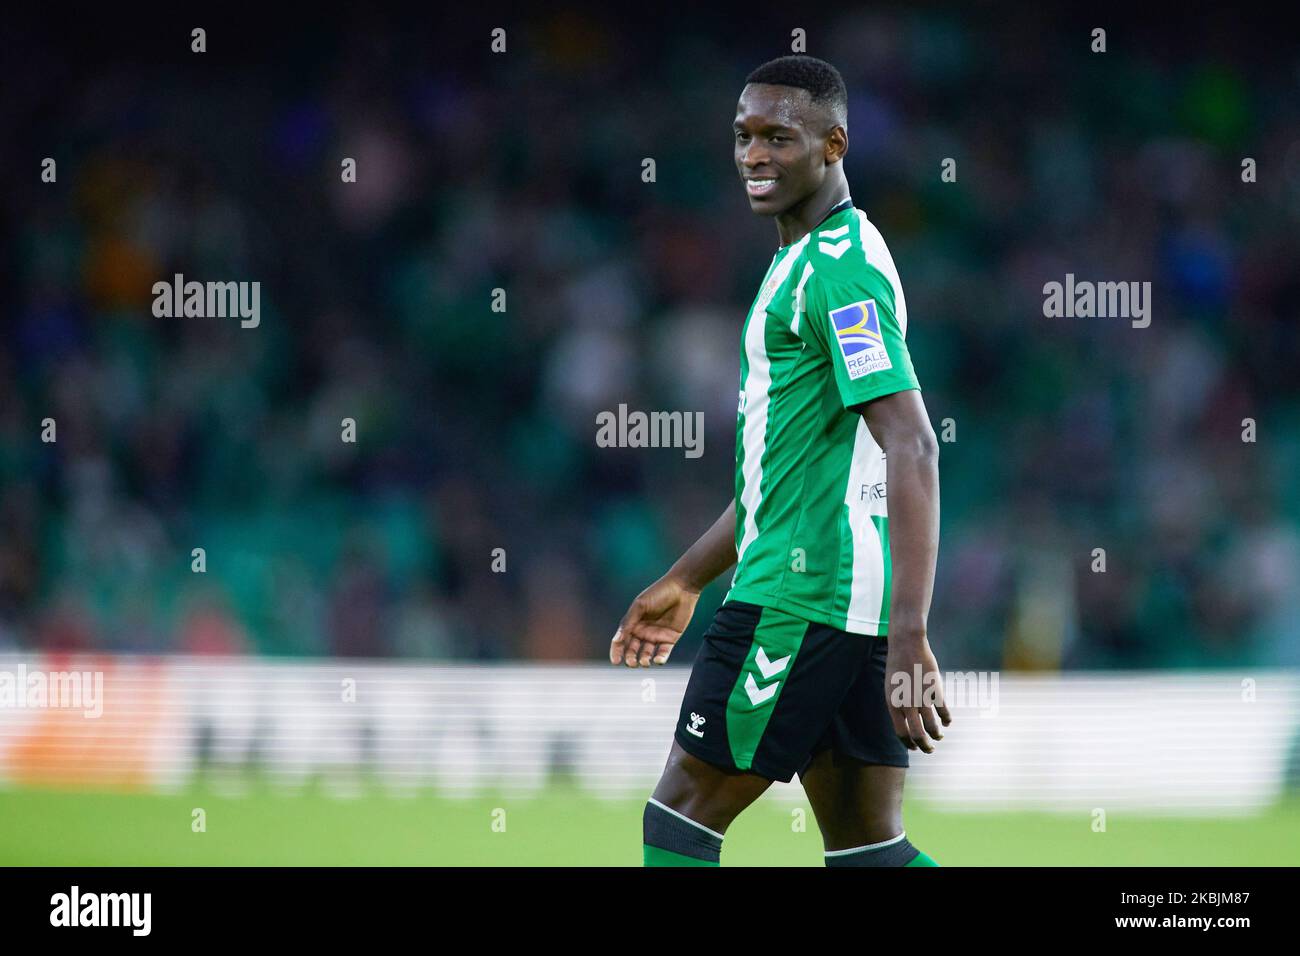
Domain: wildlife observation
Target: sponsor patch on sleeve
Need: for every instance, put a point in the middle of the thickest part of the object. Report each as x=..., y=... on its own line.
x=857, y=329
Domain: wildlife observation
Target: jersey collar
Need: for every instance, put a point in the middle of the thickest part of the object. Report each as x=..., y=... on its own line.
x=835, y=210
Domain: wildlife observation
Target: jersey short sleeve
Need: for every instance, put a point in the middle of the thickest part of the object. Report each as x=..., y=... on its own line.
x=849, y=313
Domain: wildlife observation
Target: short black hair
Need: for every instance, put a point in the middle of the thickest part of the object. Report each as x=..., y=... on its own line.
x=823, y=82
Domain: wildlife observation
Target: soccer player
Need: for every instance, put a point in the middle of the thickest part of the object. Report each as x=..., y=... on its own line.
x=832, y=588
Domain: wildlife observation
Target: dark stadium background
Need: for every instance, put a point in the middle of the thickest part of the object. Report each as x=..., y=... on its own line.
x=476, y=430
x=1159, y=696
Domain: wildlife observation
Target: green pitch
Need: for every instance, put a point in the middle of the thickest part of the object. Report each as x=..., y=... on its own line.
x=566, y=828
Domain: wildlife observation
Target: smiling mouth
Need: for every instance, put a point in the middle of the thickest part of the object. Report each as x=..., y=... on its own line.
x=759, y=187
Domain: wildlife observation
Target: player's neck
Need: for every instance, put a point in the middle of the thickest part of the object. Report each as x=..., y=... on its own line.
x=797, y=221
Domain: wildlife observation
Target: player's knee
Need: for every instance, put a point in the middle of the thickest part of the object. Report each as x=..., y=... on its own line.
x=676, y=787
x=704, y=793
x=853, y=827
x=701, y=806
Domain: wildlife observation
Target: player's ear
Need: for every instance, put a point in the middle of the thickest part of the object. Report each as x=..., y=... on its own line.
x=837, y=144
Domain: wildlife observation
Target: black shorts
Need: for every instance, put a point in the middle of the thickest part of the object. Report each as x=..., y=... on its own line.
x=770, y=690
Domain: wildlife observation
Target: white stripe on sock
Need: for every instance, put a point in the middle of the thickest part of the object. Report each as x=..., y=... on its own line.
x=869, y=846
x=679, y=816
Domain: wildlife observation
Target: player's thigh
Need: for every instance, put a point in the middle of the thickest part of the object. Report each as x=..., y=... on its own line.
x=702, y=779
x=855, y=803
x=709, y=795
x=763, y=690
x=855, y=780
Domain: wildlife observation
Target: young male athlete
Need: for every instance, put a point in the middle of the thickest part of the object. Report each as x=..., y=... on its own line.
x=791, y=677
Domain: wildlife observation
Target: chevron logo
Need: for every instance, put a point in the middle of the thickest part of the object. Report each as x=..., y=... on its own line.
x=837, y=250
x=758, y=695
x=770, y=669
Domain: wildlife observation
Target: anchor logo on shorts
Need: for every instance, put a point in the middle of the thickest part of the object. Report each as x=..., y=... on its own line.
x=694, y=726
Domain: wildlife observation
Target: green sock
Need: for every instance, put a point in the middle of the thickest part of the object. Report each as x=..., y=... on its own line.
x=895, y=852
x=670, y=838
x=657, y=856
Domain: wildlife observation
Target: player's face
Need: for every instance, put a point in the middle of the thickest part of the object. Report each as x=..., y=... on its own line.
x=780, y=154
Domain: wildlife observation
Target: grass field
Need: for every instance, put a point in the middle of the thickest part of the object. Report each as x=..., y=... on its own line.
x=567, y=828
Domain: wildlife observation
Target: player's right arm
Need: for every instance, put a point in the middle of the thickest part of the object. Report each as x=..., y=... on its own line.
x=660, y=613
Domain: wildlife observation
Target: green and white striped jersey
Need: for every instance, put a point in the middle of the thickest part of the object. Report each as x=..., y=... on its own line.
x=825, y=333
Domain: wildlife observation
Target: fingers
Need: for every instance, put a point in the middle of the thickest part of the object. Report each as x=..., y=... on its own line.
x=624, y=648
x=633, y=649
x=647, y=651
x=652, y=653
x=936, y=701
x=916, y=729
x=931, y=723
x=943, y=713
x=910, y=728
x=637, y=652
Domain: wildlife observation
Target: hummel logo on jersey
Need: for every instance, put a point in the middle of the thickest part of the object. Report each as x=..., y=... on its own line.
x=694, y=726
x=837, y=249
x=857, y=329
x=769, y=669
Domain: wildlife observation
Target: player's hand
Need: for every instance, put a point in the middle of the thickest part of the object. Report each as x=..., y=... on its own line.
x=653, y=624
x=914, y=693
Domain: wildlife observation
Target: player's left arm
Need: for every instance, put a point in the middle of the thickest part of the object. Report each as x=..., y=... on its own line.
x=853, y=317
x=901, y=427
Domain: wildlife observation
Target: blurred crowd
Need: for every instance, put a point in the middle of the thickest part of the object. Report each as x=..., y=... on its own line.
x=1100, y=505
